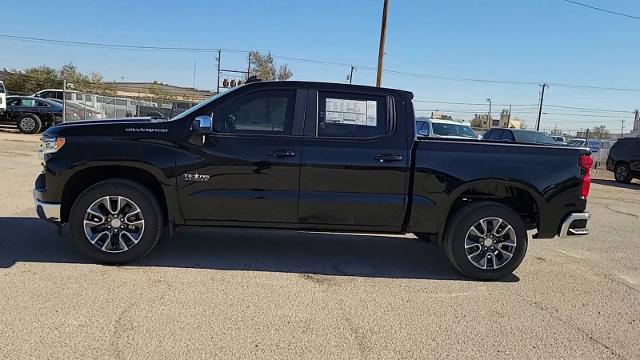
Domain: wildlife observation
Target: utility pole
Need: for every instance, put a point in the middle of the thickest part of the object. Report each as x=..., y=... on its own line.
x=351, y=74
x=64, y=101
x=248, y=66
x=193, y=91
x=544, y=86
x=622, y=129
x=636, y=121
x=383, y=36
x=218, y=59
x=489, y=122
x=509, y=118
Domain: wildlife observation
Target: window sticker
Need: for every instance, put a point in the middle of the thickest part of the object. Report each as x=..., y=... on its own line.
x=351, y=112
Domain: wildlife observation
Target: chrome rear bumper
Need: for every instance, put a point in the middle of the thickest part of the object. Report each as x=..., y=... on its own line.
x=575, y=224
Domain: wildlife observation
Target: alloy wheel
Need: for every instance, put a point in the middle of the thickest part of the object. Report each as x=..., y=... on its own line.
x=113, y=224
x=490, y=243
x=28, y=124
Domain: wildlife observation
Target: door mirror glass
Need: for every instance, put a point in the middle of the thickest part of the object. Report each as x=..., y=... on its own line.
x=202, y=125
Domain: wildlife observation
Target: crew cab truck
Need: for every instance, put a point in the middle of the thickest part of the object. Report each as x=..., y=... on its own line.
x=307, y=156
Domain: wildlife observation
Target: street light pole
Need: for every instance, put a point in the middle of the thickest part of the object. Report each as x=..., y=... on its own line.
x=383, y=36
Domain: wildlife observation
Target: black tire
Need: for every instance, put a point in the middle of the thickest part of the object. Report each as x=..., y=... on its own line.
x=29, y=124
x=150, y=213
x=459, y=225
x=622, y=174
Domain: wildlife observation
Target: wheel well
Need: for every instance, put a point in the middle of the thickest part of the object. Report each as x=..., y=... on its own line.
x=88, y=177
x=518, y=199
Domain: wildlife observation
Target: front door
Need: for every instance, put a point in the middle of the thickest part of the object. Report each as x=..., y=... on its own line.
x=249, y=169
x=355, y=162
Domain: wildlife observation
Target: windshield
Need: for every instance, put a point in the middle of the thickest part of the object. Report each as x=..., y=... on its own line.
x=533, y=137
x=202, y=104
x=453, y=130
x=576, y=142
x=1, y=88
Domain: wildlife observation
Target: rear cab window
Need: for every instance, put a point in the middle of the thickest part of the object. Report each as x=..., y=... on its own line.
x=351, y=115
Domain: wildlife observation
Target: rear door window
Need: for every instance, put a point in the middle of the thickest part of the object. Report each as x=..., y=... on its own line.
x=350, y=115
x=28, y=103
x=507, y=136
x=493, y=134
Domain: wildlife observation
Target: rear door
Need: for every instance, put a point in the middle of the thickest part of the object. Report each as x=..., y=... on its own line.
x=632, y=152
x=355, y=161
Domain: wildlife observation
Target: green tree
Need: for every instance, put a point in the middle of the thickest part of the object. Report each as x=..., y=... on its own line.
x=264, y=67
x=33, y=79
x=600, y=132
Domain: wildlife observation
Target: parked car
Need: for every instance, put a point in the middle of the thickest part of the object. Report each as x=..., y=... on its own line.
x=560, y=139
x=577, y=142
x=313, y=156
x=3, y=98
x=624, y=160
x=444, y=129
x=519, y=135
x=105, y=106
x=77, y=111
x=31, y=114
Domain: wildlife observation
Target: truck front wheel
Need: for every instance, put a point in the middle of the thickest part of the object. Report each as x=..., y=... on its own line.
x=485, y=240
x=116, y=221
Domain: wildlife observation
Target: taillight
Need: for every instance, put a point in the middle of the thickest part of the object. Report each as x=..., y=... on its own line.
x=585, y=162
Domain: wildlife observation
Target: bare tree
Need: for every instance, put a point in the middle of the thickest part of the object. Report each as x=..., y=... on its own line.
x=600, y=132
x=264, y=67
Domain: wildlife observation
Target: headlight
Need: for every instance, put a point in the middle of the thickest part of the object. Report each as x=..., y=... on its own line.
x=51, y=145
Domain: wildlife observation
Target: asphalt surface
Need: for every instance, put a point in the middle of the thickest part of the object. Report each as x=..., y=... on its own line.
x=240, y=294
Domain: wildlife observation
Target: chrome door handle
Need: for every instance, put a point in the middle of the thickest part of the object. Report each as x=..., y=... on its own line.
x=279, y=153
x=388, y=157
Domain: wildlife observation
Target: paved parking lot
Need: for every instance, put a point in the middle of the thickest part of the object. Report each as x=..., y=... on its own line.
x=271, y=294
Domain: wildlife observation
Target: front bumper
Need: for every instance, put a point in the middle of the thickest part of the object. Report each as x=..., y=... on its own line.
x=46, y=211
x=575, y=224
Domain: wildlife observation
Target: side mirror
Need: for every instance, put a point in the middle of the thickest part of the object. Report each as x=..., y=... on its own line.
x=202, y=125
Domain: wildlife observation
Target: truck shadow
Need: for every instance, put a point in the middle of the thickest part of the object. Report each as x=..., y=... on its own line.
x=615, y=184
x=32, y=240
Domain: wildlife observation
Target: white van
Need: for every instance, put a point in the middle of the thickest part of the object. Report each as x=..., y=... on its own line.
x=3, y=98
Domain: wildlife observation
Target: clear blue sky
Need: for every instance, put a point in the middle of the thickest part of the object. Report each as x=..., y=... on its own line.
x=524, y=40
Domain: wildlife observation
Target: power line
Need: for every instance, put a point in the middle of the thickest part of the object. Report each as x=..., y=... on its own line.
x=299, y=59
x=471, y=104
x=590, y=109
x=602, y=10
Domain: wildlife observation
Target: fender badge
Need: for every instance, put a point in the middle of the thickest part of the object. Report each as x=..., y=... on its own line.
x=196, y=177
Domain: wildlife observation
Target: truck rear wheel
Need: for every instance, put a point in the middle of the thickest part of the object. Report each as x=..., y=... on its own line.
x=485, y=240
x=116, y=221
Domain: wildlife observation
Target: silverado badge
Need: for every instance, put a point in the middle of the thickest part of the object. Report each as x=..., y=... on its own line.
x=196, y=177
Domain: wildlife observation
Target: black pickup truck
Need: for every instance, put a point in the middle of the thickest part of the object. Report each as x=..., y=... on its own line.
x=308, y=156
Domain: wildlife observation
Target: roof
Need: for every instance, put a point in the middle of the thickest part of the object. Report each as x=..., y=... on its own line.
x=328, y=85
x=443, y=121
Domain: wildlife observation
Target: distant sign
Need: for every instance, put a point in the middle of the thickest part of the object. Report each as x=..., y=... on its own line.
x=594, y=145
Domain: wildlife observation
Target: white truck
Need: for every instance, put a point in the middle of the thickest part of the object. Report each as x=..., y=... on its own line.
x=3, y=98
